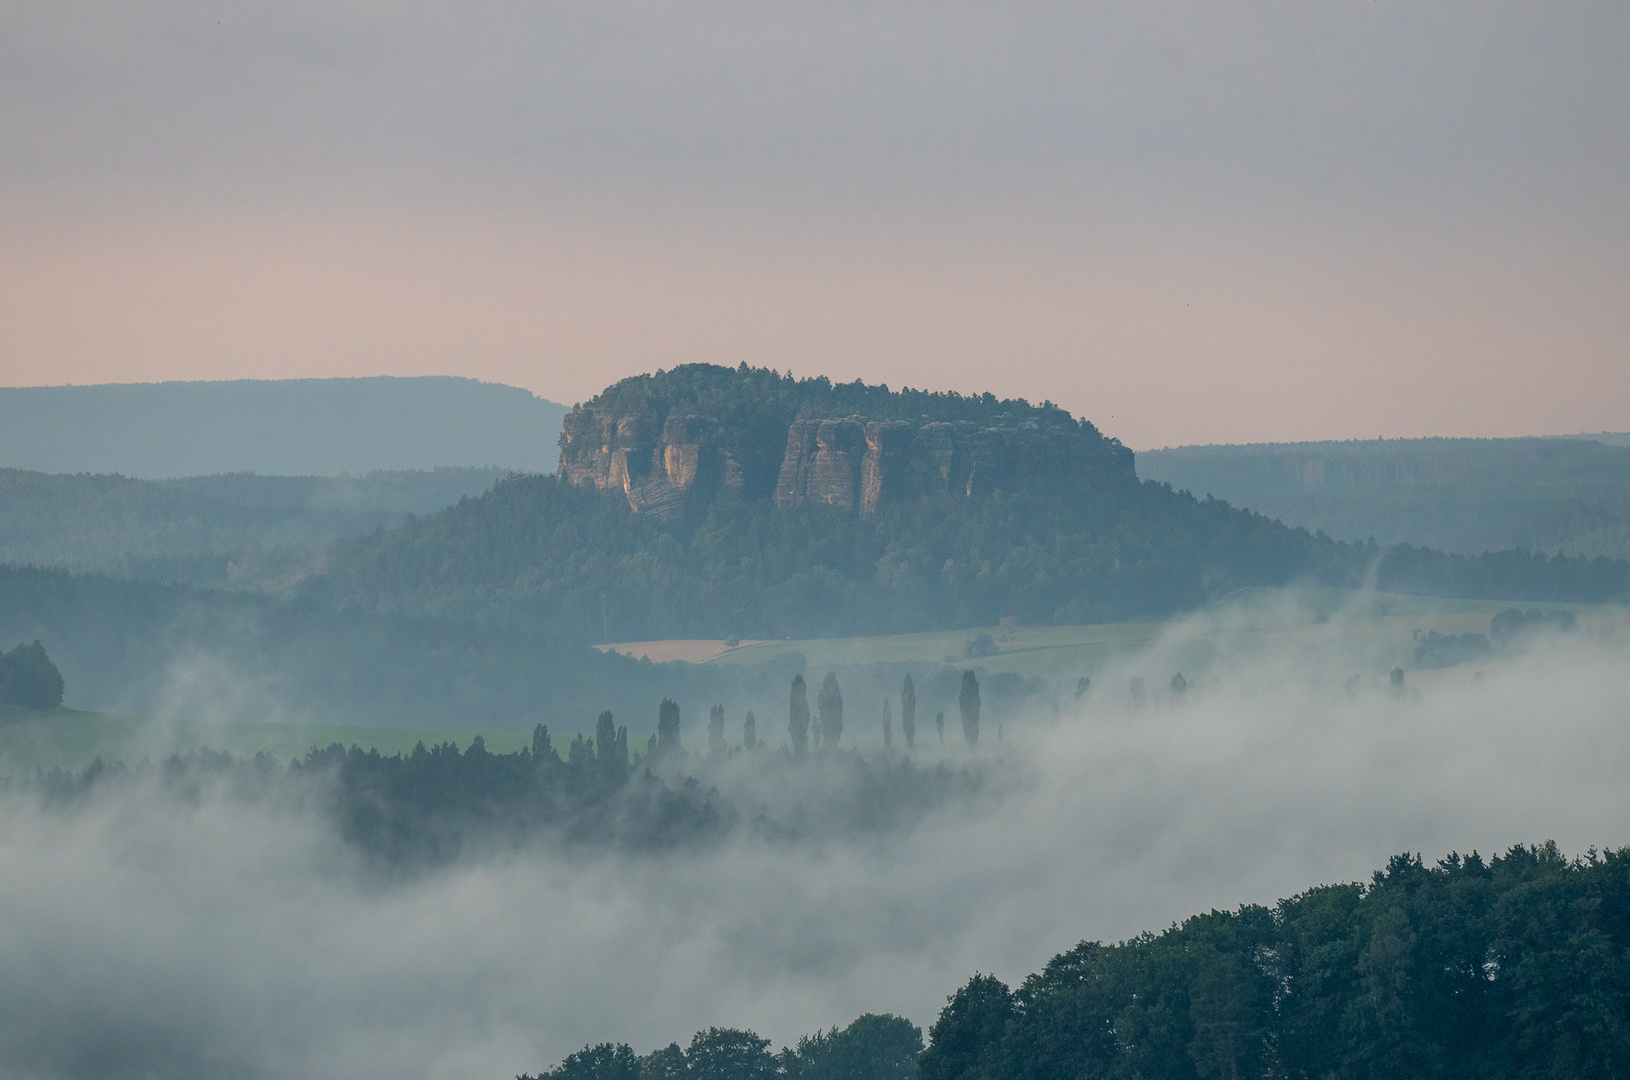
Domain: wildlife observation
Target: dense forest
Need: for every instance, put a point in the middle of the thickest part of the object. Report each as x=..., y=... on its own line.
x=1461, y=495
x=534, y=552
x=873, y=1047
x=1516, y=966
x=426, y=808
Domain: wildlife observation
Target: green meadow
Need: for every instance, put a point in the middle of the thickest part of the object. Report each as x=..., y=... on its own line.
x=1379, y=630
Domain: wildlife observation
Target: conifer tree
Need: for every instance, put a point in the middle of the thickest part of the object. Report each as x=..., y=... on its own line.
x=798, y=717
x=749, y=731
x=716, y=746
x=969, y=702
x=830, y=704
x=611, y=748
x=668, y=728
x=540, y=743
x=908, y=711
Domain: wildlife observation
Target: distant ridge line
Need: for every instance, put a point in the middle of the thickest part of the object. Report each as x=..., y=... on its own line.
x=292, y=427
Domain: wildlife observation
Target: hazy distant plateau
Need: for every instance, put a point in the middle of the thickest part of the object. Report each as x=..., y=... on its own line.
x=292, y=427
x=1569, y=495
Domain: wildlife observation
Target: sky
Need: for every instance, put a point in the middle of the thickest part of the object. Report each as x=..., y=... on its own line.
x=1188, y=223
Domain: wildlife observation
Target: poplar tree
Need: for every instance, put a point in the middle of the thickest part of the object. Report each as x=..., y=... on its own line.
x=969, y=701
x=830, y=704
x=798, y=717
x=668, y=728
x=908, y=711
x=749, y=731
x=611, y=747
x=540, y=743
x=888, y=726
x=716, y=746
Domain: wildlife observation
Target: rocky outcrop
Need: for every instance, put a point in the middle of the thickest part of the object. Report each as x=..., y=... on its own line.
x=823, y=463
x=661, y=469
x=667, y=465
x=902, y=460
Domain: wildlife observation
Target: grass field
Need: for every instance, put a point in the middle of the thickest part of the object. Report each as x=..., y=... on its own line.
x=1264, y=618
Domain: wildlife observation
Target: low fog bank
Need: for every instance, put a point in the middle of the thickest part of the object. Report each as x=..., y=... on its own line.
x=150, y=934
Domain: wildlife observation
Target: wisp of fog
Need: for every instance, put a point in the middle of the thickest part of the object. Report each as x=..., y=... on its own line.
x=143, y=933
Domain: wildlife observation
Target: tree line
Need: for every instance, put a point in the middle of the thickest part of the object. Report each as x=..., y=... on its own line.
x=1518, y=966
x=874, y=1047
x=1512, y=967
x=435, y=804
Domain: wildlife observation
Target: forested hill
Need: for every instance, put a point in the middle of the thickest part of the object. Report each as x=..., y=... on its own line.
x=293, y=427
x=678, y=441
x=236, y=529
x=1463, y=495
x=994, y=509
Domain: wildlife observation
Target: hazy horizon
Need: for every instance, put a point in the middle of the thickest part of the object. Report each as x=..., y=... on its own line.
x=1188, y=224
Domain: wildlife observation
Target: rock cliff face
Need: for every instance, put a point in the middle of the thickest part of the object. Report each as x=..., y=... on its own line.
x=851, y=463
x=661, y=467
x=670, y=464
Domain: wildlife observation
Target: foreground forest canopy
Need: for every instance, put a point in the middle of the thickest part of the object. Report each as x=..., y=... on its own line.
x=1517, y=966
x=709, y=502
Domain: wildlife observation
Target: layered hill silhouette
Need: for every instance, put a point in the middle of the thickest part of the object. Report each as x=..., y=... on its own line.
x=1464, y=495
x=708, y=501
x=290, y=427
x=237, y=529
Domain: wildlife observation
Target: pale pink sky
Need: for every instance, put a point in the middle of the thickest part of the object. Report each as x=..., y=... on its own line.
x=1186, y=226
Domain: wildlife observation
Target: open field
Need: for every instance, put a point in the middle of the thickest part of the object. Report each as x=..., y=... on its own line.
x=70, y=739
x=689, y=650
x=1387, y=624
